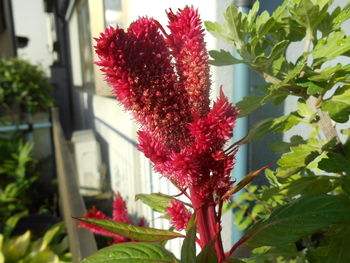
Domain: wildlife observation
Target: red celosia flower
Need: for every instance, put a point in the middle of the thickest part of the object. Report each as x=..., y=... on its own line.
x=164, y=80
x=179, y=214
x=188, y=48
x=120, y=214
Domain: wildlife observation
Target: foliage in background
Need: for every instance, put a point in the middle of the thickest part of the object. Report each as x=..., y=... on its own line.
x=17, y=175
x=20, y=187
x=52, y=247
x=303, y=214
x=24, y=86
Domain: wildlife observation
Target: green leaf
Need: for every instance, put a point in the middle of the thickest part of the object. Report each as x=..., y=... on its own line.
x=292, y=73
x=264, y=23
x=309, y=185
x=338, y=250
x=336, y=44
x=157, y=201
x=234, y=260
x=253, y=13
x=338, y=106
x=49, y=235
x=16, y=247
x=345, y=184
x=277, y=125
x=45, y=256
x=218, y=31
x=338, y=111
x=308, y=14
x=326, y=74
x=304, y=109
x=235, y=25
x=132, y=252
x=334, y=163
x=188, y=249
x=298, y=219
x=132, y=231
x=299, y=156
x=283, y=147
x=11, y=223
x=341, y=17
x=250, y=103
x=208, y=253
x=223, y=58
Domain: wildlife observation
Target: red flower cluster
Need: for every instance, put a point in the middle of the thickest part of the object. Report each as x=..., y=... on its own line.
x=120, y=214
x=179, y=215
x=164, y=80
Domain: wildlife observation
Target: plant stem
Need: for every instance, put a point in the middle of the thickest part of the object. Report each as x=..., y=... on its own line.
x=208, y=223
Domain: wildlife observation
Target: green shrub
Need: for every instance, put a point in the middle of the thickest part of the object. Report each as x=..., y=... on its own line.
x=23, y=85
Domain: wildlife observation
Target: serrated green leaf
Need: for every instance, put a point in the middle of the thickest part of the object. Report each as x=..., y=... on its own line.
x=298, y=219
x=336, y=44
x=299, y=156
x=292, y=74
x=304, y=109
x=253, y=13
x=263, y=60
x=132, y=231
x=132, y=252
x=249, y=104
x=338, y=111
x=309, y=185
x=208, y=254
x=235, y=26
x=341, y=17
x=283, y=147
x=223, y=58
x=338, y=106
x=264, y=23
x=278, y=49
x=308, y=14
x=188, y=249
x=334, y=163
x=157, y=201
x=277, y=125
x=326, y=74
x=218, y=31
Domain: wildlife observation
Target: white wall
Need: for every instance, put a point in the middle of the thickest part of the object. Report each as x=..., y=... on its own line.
x=31, y=21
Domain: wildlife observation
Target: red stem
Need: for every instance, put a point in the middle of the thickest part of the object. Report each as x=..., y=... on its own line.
x=235, y=246
x=208, y=223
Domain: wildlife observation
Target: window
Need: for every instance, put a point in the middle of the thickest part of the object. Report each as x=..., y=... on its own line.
x=85, y=44
x=113, y=13
x=88, y=19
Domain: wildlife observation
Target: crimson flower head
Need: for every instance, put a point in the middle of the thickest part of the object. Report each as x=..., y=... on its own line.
x=120, y=214
x=163, y=79
x=179, y=215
